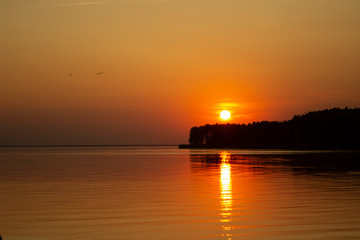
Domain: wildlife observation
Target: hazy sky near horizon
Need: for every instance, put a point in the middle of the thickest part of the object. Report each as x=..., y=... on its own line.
x=169, y=65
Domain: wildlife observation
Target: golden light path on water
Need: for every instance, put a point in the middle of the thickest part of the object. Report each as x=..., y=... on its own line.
x=226, y=193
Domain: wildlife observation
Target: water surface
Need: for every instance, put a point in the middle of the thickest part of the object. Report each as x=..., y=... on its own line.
x=168, y=193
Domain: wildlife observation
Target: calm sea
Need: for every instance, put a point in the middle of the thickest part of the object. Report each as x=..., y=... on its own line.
x=114, y=193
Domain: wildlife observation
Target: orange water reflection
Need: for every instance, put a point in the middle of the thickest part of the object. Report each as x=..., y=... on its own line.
x=225, y=193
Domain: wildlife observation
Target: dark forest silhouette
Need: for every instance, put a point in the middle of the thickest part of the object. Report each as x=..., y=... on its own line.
x=327, y=129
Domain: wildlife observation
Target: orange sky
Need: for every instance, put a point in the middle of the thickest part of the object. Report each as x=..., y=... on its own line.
x=169, y=65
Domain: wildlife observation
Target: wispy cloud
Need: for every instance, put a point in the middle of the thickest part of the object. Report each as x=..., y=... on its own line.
x=71, y=4
x=82, y=3
x=143, y=1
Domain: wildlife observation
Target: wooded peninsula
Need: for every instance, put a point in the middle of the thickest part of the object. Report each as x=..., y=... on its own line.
x=334, y=128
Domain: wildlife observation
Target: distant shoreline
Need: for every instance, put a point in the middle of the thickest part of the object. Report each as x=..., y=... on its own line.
x=329, y=129
x=189, y=146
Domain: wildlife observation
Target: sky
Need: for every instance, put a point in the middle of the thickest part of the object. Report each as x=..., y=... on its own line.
x=169, y=65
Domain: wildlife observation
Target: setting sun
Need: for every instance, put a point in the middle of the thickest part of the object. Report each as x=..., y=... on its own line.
x=225, y=115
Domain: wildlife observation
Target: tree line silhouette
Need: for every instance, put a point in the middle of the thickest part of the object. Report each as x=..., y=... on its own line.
x=326, y=129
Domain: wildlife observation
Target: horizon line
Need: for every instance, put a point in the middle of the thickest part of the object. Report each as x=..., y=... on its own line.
x=92, y=145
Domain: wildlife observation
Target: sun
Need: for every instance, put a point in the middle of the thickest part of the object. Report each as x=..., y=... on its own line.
x=225, y=115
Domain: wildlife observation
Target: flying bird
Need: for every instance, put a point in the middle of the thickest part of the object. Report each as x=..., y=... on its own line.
x=70, y=75
x=99, y=73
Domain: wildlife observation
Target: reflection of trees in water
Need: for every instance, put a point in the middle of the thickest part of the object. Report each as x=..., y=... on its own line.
x=243, y=183
x=309, y=163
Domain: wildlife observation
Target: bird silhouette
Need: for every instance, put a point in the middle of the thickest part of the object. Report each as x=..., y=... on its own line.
x=69, y=76
x=99, y=73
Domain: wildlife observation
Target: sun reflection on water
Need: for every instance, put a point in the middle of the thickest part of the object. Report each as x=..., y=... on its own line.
x=226, y=193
